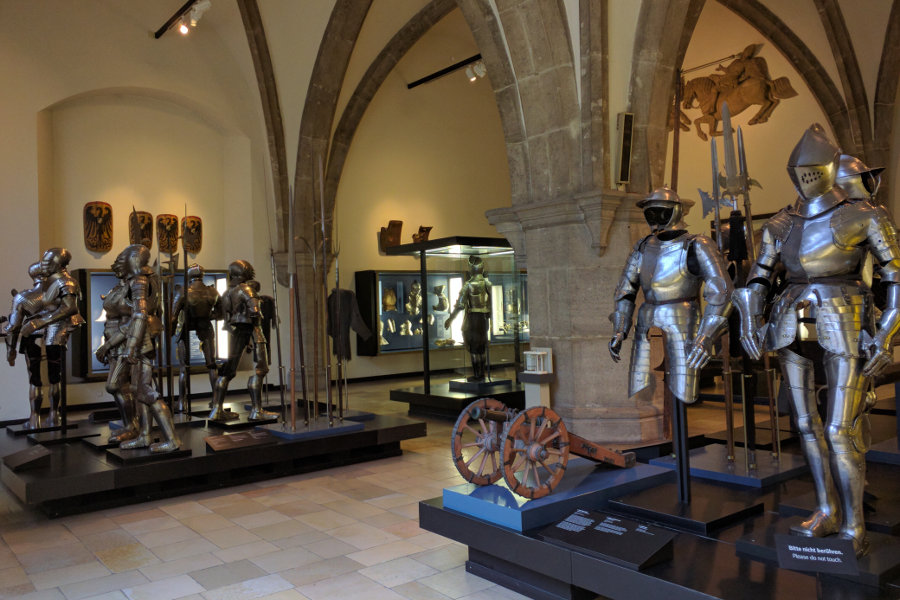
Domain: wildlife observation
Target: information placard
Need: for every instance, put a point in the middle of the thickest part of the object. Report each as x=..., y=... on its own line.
x=822, y=555
x=610, y=537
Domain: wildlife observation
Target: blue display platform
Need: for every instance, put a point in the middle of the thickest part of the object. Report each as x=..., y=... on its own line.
x=585, y=485
x=886, y=452
x=710, y=463
x=316, y=429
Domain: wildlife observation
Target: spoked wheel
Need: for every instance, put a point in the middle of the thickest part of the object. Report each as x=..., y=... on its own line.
x=535, y=452
x=476, y=443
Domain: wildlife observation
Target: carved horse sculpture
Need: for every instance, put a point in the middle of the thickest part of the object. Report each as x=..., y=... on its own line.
x=756, y=91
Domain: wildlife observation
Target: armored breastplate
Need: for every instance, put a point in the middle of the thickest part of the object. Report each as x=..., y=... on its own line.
x=115, y=303
x=664, y=273
x=810, y=251
x=478, y=294
x=30, y=301
x=201, y=299
x=237, y=304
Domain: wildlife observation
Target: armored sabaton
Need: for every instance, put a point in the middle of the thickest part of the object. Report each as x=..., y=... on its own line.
x=822, y=242
x=117, y=306
x=670, y=266
x=241, y=308
x=144, y=328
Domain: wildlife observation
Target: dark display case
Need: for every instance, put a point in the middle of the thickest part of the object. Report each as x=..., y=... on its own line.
x=95, y=283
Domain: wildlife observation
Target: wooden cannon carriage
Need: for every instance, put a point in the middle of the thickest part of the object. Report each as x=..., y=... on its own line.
x=529, y=449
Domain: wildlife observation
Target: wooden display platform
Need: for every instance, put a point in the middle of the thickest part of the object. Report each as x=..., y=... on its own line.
x=81, y=478
x=443, y=403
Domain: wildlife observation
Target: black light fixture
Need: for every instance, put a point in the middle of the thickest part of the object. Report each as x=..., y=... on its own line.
x=448, y=70
x=186, y=17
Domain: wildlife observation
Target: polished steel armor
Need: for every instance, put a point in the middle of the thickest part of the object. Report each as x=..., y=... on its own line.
x=822, y=243
x=144, y=328
x=241, y=309
x=117, y=307
x=195, y=311
x=25, y=305
x=670, y=266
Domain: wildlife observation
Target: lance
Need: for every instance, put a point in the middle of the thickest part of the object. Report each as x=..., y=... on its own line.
x=326, y=349
x=277, y=320
x=186, y=334
x=296, y=323
x=751, y=252
x=727, y=374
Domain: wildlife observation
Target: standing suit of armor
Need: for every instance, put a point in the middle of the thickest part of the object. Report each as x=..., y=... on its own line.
x=241, y=309
x=195, y=311
x=822, y=241
x=144, y=328
x=25, y=305
x=669, y=266
x=475, y=300
x=58, y=317
x=117, y=307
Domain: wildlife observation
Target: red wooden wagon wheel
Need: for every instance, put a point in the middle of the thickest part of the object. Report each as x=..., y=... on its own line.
x=535, y=452
x=476, y=443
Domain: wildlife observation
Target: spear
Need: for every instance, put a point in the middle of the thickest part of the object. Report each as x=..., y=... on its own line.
x=327, y=347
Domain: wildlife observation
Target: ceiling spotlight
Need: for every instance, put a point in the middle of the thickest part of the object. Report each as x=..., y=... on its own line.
x=470, y=73
x=183, y=28
x=198, y=9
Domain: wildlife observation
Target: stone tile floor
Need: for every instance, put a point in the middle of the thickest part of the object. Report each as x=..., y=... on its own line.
x=349, y=532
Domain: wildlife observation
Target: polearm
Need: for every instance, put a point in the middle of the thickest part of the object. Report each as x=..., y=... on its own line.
x=327, y=347
x=277, y=320
x=186, y=334
x=727, y=375
x=751, y=252
x=296, y=323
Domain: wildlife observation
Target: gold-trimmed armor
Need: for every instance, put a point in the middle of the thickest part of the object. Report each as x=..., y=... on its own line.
x=823, y=241
x=670, y=266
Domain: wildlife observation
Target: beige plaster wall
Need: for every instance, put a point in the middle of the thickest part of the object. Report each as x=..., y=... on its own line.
x=433, y=155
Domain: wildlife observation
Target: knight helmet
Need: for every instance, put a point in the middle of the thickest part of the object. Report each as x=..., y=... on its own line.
x=663, y=209
x=813, y=164
x=858, y=180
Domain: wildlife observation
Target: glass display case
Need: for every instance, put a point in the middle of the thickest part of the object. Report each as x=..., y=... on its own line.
x=397, y=308
x=95, y=283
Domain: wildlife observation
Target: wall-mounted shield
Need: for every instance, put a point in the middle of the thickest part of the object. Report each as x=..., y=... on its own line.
x=98, y=226
x=167, y=233
x=192, y=232
x=140, y=228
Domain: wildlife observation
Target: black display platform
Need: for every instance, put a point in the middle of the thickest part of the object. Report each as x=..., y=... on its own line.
x=80, y=478
x=443, y=403
x=878, y=567
x=701, y=568
x=712, y=506
x=764, y=435
x=477, y=387
x=25, y=429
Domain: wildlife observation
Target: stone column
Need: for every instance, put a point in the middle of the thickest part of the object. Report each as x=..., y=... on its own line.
x=576, y=248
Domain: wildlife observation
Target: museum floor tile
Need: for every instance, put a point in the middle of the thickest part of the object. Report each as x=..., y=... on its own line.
x=348, y=532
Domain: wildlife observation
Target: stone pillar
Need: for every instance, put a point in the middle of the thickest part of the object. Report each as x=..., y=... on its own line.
x=576, y=248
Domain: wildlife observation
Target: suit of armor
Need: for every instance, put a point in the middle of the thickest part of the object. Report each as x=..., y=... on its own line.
x=25, y=305
x=195, y=311
x=670, y=265
x=117, y=306
x=241, y=309
x=144, y=328
x=475, y=300
x=822, y=241
x=57, y=316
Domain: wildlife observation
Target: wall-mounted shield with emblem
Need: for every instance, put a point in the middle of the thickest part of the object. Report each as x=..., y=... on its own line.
x=192, y=230
x=167, y=233
x=98, y=226
x=140, y=228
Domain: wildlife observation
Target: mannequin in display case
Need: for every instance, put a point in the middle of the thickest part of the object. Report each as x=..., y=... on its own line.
x=475, y=301
x=822, y=241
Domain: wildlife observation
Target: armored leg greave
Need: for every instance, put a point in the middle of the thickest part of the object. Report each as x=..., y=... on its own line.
x=143, y=439
x=35, y=399
x=798, y=373
x=120, y=390
x=163, y=417
x=218, y=412
x=55, y=397
x=848, y=464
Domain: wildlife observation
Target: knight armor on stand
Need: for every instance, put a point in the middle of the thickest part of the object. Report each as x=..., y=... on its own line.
x=475, y=300
x=670, y=266
x=195, y=311
x=242, y=313
x=143, y=331
x=25, y=305
x=57, y=317
x=822, y=242
x=117, y=307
